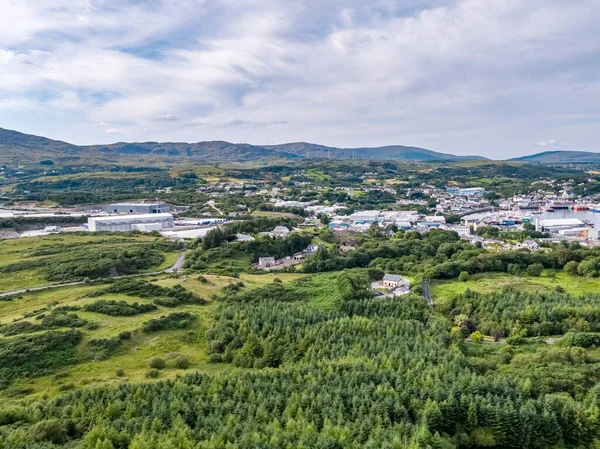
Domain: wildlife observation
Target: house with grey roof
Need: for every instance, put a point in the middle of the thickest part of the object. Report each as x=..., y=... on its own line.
x=392, y=280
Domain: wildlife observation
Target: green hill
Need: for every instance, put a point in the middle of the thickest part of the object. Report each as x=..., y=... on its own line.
x=560, y=157
x=14, y=145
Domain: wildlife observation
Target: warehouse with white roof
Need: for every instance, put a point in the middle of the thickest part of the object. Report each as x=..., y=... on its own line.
x=124, y=223
x=557, y=224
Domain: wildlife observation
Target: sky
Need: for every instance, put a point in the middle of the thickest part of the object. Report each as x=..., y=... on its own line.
x=498, y=78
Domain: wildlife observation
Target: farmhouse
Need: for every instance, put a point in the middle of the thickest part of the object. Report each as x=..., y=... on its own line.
x=266, y=261
x=392, y=280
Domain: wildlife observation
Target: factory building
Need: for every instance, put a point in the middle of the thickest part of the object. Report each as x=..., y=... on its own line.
x=123, y=223
x=559, y=224
x=137, y=208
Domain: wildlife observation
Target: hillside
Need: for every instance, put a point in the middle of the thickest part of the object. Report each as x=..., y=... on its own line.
x=390, y=152
x=14, y=145
x=560, y=157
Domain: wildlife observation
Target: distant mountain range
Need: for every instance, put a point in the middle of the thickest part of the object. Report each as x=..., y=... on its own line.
x=560, y=157
x=17, y=147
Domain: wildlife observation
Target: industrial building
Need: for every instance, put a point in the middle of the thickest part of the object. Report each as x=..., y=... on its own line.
x=558, y=224
x=123, y=223
x=137, y=208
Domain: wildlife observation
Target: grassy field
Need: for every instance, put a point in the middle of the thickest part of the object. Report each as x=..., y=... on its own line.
x=20, y=250
x=134, y=355
x=490, y=282
x=274, y=214
x=317, y=175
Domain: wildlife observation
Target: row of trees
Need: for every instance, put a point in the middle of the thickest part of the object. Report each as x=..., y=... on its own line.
x=509, y=311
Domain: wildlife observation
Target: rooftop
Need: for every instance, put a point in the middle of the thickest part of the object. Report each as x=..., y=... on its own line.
x=561, y=222
x=392, y=277
x=130, y=217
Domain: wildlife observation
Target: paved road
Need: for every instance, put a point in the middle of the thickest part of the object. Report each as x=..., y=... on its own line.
x=176, y=267
x=427, y=293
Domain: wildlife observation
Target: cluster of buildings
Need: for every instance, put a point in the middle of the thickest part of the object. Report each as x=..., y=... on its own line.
x=363, y=220
x=271, y=263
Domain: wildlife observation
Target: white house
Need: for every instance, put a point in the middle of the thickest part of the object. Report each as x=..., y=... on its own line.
x=528, y=244
x=280, y=231
x=392, y=280
x=266, y=261
x=244, y=238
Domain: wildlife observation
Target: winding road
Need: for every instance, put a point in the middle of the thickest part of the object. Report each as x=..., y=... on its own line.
x=175, y=268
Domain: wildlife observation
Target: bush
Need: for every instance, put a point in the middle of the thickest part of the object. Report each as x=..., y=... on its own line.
x=50, y=430
x=581, y=339
x=513, y=268
x=142, y=289
x=119, y=308
x=125, y=335
x=463, y=276
x=178, y=320
x=36, y=355
x=157, y=363
x=152, y=373
x=476, y=337
x=535, y=269
x=571, y=268
x=202, y=279
x=215, y=358
x=120, y=372
x=100, y=348
x=182, y=362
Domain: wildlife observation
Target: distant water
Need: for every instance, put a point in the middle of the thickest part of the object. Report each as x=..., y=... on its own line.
x=584, y=215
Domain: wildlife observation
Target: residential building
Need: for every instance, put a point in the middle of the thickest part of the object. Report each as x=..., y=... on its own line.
x=280, y=232
x=266, y=261
x=392, y=280
x=244, y=238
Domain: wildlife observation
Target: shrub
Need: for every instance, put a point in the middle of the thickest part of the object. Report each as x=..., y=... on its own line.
x=513, y=268
x=120, y=372
x=182, y=362
x=125, y=335
x=119, y=308
x=477, y=337
x=463, y=276
x=215, y=358
x=36, y=355
x=571, y=268
x=142, y=289
x=50, y=430
x=157, y=363
x=152, y=373
x=178, y=320
x=202, y=279
x=535, y=269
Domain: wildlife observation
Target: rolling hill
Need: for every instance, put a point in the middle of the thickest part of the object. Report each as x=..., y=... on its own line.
x=391, y=152
x=14, y=146
x=560, y=157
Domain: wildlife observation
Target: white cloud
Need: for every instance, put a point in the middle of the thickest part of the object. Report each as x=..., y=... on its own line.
x=167, y=118
x=469, y=76
x=546, y=143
